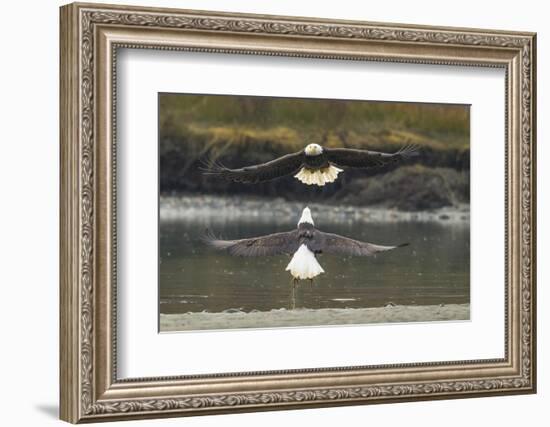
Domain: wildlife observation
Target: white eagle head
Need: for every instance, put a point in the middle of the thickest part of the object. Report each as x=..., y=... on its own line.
x=313, y=149
x=306, y=217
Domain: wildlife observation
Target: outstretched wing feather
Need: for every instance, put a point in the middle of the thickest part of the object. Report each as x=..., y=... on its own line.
x=335, y=244
x=272, y=244
x=349, y=157
x=282, y=166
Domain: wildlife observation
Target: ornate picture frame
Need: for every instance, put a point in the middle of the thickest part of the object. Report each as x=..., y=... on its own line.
x=90, y=37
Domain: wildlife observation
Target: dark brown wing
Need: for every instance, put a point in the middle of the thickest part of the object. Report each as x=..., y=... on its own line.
x=272, y=244
x=285, y=165
x=367, y=159
x=335, y=244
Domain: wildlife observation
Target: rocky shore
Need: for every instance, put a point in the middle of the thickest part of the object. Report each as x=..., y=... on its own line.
x=273, y=210
x=310, y=317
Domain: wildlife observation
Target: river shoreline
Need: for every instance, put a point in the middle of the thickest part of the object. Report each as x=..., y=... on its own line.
x=311, y=317
x=207, y=207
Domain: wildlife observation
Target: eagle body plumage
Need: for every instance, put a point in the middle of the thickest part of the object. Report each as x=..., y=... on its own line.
x=304, y=243
x=312, y=165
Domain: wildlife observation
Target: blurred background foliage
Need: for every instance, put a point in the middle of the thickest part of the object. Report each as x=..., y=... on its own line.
x=245, y=130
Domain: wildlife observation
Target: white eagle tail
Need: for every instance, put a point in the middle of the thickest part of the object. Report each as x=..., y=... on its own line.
x=304, y=265
x=318, y=177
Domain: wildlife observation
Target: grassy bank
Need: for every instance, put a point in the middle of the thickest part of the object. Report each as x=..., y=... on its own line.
x=241, y=131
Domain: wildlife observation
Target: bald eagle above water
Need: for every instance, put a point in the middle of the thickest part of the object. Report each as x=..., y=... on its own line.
x=314, y=165
x=303, y=243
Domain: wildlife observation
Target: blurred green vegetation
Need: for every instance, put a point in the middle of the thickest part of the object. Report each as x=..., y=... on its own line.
x=245, y=130
x=294, y=122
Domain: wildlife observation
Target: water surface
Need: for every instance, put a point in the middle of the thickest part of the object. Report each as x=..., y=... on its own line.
x=433, y=270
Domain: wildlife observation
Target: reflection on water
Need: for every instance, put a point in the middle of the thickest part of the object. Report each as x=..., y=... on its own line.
x=434, y=269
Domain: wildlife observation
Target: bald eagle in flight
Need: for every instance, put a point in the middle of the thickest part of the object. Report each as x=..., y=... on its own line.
x=314, y=165
x=304, y=243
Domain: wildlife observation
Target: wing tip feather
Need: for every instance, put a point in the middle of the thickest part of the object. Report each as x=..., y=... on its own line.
x=210, y=166
x=409, y=150
x=210, y=239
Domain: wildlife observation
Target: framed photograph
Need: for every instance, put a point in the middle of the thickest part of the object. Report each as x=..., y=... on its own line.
x=265, y=212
